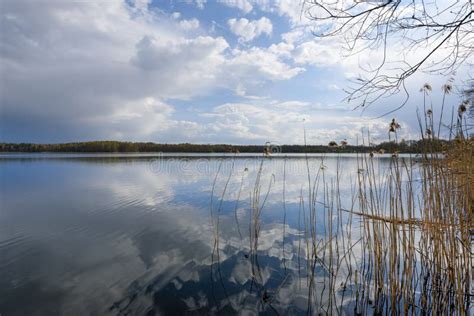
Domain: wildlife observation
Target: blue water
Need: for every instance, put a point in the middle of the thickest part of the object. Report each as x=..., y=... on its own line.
x=134, y=234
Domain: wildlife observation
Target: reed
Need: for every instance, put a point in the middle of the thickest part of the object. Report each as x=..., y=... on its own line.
x=404, y=246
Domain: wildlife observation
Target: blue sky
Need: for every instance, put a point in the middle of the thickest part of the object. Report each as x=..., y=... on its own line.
x=241, y=72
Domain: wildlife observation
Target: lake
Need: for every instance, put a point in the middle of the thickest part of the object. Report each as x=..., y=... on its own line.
x=146, y=234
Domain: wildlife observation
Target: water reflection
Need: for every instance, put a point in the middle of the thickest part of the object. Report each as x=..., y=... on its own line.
x=116, y=236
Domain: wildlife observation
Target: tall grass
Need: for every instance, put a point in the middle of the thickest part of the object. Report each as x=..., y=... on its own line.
x=417, y=252
x=404, y=246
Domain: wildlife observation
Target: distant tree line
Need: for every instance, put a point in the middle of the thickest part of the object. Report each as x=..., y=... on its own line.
x=118, y=147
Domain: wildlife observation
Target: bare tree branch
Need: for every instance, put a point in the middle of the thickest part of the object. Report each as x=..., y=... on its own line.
x=435, y=36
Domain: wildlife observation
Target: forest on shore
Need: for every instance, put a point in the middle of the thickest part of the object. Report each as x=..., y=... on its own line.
x=125, y=147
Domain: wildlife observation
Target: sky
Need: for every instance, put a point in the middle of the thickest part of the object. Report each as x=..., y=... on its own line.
x=238, y=72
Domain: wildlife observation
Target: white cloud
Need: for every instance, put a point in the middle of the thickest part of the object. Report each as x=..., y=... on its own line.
x=242, y=5
x=141, y=4
x=330, y=53
x=146, y=119
x=291, y=9
x=89, y=66
x=88, y=70
x=241, y=91
x=295, y=35
x=191, y=24
x=281, y=49
x=247, y=30
x=283, y=123
x=317, y=53
x=200, y=4
x=192, y=63
x=334, y=87
x=139, y=117
x=257, y=63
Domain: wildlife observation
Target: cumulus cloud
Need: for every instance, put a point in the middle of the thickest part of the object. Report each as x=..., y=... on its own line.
x=247, y=30
x=139, y=117
x=290, y=9
x=195, y=56
x=82, y=70
x=242, y=5
x=317, y=53
x=191, y=24
x=117, y=70
x=283, y=122
x=141, y=4
x=261, y=63
x=200, y=4
x=295, y=35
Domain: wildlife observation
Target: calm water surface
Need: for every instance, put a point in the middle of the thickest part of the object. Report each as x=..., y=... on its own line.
x=133, y=234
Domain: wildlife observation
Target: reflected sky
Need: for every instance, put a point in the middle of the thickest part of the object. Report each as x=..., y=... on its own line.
x=135, y=235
